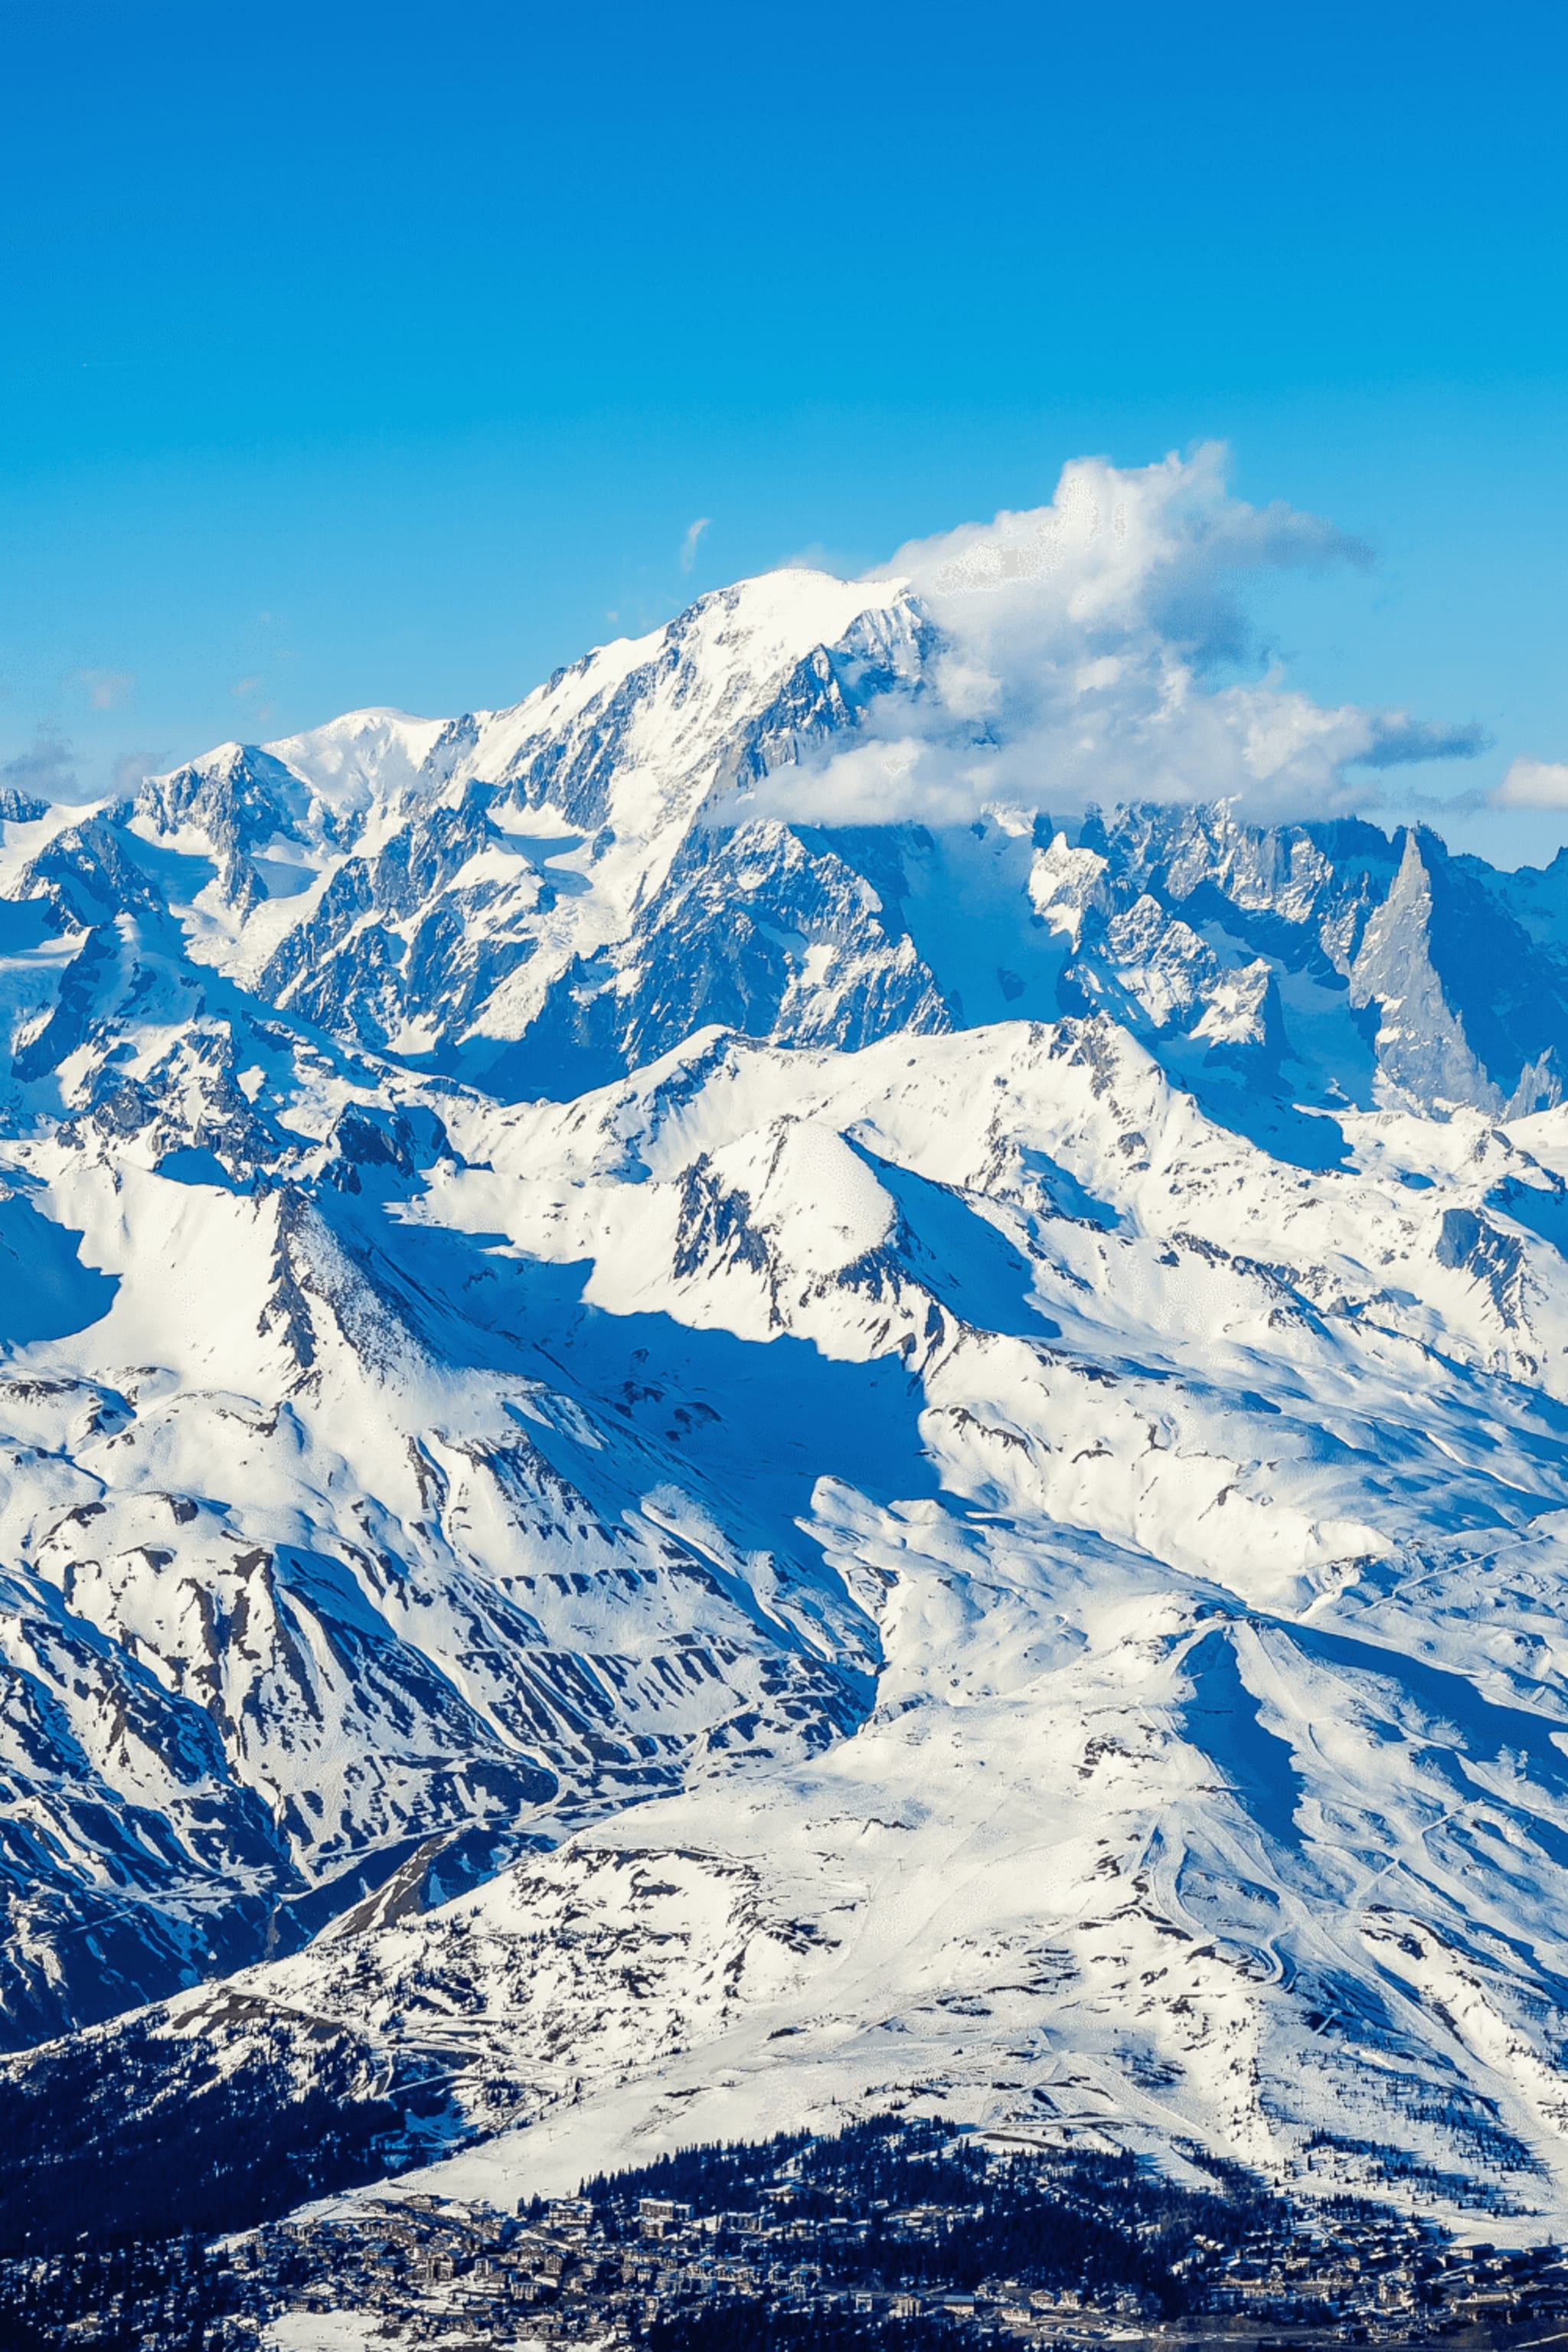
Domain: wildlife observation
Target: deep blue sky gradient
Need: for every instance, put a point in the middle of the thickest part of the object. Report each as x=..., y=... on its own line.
x=355, y=353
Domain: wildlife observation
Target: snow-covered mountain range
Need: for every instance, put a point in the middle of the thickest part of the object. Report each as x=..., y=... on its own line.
x=678, y=1466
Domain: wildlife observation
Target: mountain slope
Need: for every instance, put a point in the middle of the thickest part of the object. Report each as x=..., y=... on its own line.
x=311, y=1549
x=666, y=1464
x=1215, y=1788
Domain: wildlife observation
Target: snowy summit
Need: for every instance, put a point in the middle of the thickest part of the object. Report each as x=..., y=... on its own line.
x=827, y=1374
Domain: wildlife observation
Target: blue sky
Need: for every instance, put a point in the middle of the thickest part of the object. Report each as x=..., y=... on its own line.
x=357, y=354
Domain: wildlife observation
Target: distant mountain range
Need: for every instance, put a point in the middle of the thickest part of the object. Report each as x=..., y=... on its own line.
x=670, y=1470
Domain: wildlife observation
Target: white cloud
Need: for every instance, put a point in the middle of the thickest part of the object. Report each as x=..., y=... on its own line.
x=1534, y=784
x=1089, y=652
x=689, y=544
x=1117, y=554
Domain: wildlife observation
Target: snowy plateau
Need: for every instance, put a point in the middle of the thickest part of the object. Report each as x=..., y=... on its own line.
x=672, y=1470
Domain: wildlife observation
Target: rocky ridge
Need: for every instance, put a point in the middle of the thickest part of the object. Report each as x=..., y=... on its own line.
x=928, y=1459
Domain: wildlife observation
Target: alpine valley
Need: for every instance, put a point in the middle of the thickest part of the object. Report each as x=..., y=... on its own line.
x=683, y=1457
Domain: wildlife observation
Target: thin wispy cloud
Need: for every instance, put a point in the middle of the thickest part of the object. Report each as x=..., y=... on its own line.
x=45, y=773
x=108, y=690
x=1398, y=740
x=689, y=544
x=132, y=768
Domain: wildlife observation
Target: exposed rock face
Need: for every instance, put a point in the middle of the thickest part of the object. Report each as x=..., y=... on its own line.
x=1470, y=1011
x=749, y=1465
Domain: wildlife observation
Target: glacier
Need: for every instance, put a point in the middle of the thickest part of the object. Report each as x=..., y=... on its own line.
x=672, y=1469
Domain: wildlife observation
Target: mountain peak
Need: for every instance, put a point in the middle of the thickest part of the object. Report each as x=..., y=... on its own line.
x=925, y=1437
